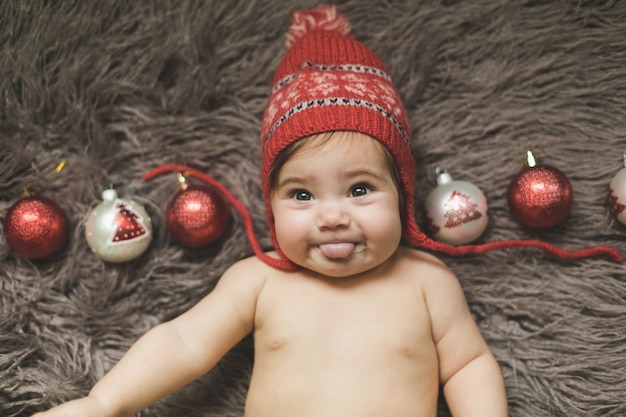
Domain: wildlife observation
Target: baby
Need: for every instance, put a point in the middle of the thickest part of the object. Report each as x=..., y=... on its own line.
x=346, y=320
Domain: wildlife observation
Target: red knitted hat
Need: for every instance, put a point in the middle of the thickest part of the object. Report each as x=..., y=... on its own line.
x=328, y=81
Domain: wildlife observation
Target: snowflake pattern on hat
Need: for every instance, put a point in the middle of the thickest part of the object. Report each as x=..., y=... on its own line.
x=317, y=85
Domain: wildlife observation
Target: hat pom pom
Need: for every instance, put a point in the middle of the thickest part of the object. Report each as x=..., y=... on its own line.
x=320, y=18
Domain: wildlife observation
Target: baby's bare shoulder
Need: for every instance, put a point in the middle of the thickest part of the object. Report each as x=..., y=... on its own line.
x=427, y=270
x=248, y=274
x=421, y=262
x=247, y=266
x=251, y=273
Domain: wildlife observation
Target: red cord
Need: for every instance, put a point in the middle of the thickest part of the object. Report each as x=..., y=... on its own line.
x=612, y=253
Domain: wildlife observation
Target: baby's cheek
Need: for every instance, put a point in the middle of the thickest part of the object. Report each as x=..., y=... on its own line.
x=288, y=233
x=388, y=232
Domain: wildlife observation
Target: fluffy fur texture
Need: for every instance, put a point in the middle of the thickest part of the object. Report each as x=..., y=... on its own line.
x=119, y=87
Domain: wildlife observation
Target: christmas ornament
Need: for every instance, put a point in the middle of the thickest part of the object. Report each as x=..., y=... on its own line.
x=455, y=212
x=118, y=230
x=539, y=196
x=617, y=194
x=35, y=226
x=197, y=215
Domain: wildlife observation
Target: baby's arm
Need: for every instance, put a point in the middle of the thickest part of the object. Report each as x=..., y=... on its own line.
x=174, y=353
x=471, y=378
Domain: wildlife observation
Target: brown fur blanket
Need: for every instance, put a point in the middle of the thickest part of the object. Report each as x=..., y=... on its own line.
x=118, y=87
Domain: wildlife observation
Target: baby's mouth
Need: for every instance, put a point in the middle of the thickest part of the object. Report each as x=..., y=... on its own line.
x=340, y=250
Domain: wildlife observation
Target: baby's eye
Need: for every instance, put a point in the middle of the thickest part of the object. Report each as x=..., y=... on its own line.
x=359, y=190
x=301, y=195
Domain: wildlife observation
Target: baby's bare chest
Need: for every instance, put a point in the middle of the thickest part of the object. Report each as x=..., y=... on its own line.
x=369, y=319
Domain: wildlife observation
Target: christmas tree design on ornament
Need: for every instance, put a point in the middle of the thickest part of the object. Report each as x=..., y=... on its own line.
x=461, y=210
x=129, y=224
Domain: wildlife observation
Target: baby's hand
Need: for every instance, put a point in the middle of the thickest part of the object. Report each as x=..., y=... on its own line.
x=83, y=407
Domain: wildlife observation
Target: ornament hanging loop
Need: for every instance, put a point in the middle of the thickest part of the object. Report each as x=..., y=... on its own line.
x=27, y=190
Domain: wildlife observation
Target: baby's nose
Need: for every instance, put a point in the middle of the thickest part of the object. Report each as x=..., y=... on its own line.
x=332, y=216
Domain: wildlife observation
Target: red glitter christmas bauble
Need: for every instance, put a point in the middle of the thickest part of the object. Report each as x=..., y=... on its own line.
x=540, y=196
x=35, y=227
x=197, y=216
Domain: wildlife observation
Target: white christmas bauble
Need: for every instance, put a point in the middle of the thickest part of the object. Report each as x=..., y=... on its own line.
x=455, y=212
x=118, y=230
x=617, y=195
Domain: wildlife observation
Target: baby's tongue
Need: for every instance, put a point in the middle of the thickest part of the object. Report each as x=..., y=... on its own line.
x=337, y=250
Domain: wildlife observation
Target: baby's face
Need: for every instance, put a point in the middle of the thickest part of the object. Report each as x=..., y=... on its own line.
x=336, y=206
